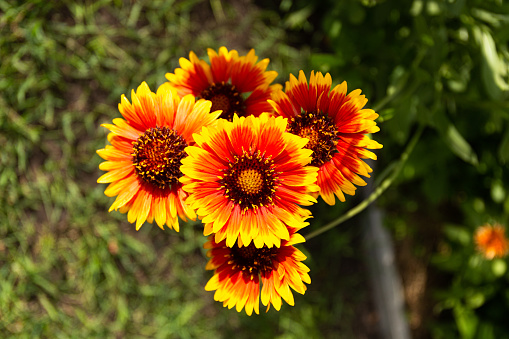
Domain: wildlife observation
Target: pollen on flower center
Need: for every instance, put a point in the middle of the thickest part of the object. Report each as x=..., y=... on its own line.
x=321, y=132
x=250, y=181
x=250, y=259
x=157, y=155
x=226, y=98
x=311, y=133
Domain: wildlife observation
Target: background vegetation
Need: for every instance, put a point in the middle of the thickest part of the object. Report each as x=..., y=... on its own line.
x=70, y=269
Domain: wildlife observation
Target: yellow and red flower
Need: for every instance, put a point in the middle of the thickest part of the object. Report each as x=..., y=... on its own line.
x=336, y=125
x=235, y=85
x=247, y=178
x=240, y=270
x=491, y=241
x=144, y=158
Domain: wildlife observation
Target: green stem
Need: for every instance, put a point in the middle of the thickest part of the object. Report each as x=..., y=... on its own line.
x=376, y=192
x=217, y=10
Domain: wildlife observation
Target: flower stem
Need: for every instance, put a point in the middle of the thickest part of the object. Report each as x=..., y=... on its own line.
x=376, y=192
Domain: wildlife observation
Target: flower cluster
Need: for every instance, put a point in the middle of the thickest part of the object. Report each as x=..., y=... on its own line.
x=221, y=143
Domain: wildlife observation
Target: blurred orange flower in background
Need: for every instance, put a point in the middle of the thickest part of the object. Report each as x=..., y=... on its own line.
x=491, y=241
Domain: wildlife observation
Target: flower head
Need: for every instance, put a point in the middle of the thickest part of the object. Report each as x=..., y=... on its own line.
x=247, y=178
x=491, y=241
x=234, y=85
x=336, y=125
x=144, y=158
x=240, y=270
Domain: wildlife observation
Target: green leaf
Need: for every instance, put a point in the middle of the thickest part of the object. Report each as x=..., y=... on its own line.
x=485, y=331
x=454, y=139
x=466, y=320
x=475, y=300
x=503, y=149
x=497, y=191
x=457, y=234
x=499, y=267
x=324, y=62
x=459, y=145
x=493, y=69
x=299, y=18
x=48, y=306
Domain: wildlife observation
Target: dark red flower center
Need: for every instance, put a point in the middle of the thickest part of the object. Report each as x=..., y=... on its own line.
x=250, y=181
x=226, y=98
x=157, y=155
x=321, y=131
x=252, y=260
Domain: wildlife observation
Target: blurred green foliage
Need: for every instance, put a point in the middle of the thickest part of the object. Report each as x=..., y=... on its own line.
x=443, y=65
